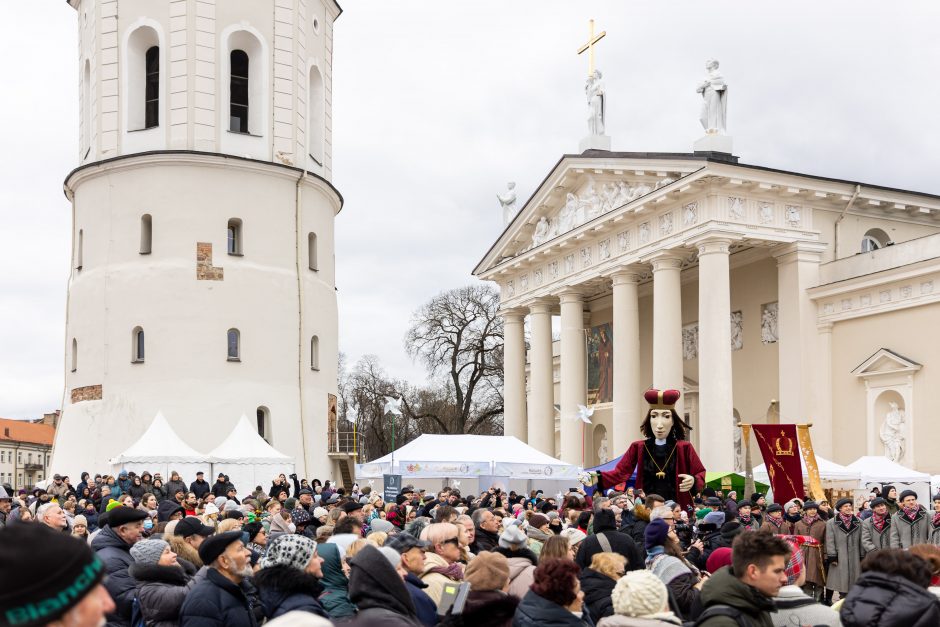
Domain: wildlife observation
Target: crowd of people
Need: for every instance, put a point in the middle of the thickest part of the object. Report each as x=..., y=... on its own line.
x=138, y=551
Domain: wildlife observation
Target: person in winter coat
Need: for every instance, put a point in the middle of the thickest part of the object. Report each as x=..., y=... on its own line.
x=200, y=487
x=522, y=561
x=376, y=588
x=289, y=577
x=136, y=488
x=442, y=565
x=843, y=548
x=890, y=494
x=335, y=583
x=891, y=592
x=162, y=582
x=911, y=525
x=598, y=582
x=774, y=521
x=175, y=484
x=555, y=599
x=158, y=490
x=744, y=516
x=606, y=538
x=795, y=607
x=664, y=559
x=640, y=599
x=124, y=482
x=876, y=529
x=538, y=532
x=812, y=525
x=488, y=604
x=113, y=547
x=487, y=531
x=412, y=554
x=220, y=599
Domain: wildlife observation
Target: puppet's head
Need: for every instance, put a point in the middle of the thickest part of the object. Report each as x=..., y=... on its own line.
x=662, y=419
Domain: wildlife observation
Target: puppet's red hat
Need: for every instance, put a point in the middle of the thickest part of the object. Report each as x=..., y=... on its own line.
x=662, y=399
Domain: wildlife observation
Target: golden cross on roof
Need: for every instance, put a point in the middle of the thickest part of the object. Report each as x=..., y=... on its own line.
x=589, y=46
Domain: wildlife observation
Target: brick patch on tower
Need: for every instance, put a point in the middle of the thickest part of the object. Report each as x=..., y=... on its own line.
x=205, y=271
x=86, y=393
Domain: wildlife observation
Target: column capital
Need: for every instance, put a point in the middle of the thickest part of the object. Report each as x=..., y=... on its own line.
x=512, y=314
x=541, y=305
x=798, y=251
x=713, y=245
x=571, y=295
x=628, y=274
x=666, y=260
x=824, y=327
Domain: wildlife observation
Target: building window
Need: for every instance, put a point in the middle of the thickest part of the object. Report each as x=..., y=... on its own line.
x=29, y=458
x=3, y=456
x=152, y=90
x=312, y=251
x=234, y=236
x=238, y=98
x=19, y=457
x=316, y=119
x=137, y=345
x=74, y=354
x=875, y=239
x=315, y=353
x=79, y=249
x=86, y=110
x=234, y=345
x=146, y=234
x=263, y=415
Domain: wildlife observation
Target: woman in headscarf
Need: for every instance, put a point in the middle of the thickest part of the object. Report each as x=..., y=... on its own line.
x=335, y=582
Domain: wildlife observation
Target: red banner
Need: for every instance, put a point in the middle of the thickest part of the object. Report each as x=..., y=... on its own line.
x=781, y=452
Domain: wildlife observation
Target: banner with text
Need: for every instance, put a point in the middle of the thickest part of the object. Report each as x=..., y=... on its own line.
x=443, y=469
x=535, y=471
x=781, y=453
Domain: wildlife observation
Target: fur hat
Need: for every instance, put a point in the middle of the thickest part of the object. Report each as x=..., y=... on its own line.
x=656, y=532
x=512, y=537
x=487, y=571
x=639, y=593
x=289, y=549
x=810, y=505
x=148, y=551
x=907, y=493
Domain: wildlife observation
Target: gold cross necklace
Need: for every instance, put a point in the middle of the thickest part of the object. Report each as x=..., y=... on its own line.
x=662, y=469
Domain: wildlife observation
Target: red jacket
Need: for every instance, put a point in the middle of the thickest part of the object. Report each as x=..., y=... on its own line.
x=687, y=463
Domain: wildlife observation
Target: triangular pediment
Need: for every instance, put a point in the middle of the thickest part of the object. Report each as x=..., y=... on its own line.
x=885, y=361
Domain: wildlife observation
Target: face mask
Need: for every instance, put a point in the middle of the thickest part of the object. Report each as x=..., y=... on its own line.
x=148, y=524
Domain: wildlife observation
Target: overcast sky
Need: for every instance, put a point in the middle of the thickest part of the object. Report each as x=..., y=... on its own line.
x=437, y=105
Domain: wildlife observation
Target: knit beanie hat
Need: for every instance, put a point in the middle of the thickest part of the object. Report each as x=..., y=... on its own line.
x=487, y=571
x=795, y=564
x=60, y=572
x=319, y=511
x=210, y=509
x=714, y=518
x=574, y=536
x=656, y=532
x=148, y=551
x=639, y=593
x=512, y=537
x=719, y=558
x=230, y=506
x=538, y=520
x=393, y=556
x=381, y=525
x=220, y=502
x=289, y=549
x=80, y=520
x=290, y=503
x=112, y=504
x=252, y=529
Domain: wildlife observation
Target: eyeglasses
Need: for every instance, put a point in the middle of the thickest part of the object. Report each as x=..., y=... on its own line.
x=454, y=541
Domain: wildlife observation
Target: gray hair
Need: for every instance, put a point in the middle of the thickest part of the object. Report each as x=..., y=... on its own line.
x=599, y=503
x=44, y=508
x=477, y=515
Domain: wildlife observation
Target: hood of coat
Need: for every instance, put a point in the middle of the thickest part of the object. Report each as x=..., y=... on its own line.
x=170, y=575
x=596, y=585
x=605, y=520
x=276, y=583
x=333, y=575
x=373, y=583
x=723, y=587
x=882, y=599
x=489, y=607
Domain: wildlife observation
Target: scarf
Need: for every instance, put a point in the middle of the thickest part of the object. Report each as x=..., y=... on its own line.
x=911, y=512
x=936, y=520
x=878, y=521
x=451, y=571
x=536, y=534
x=846, y=519
x=809, y=521
x=745, y=521
x=777, y=522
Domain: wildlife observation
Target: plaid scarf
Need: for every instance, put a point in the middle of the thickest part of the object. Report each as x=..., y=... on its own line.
x=809, y=521
x=911, y=512
x=777, y=522
x=846, y=519
x=745, y=520
x=878, y=521
x=936, y=519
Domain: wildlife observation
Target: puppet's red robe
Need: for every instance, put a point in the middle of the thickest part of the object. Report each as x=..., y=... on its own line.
x=687, y=463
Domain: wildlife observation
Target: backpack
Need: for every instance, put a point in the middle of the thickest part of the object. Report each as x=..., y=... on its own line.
x=720, y=610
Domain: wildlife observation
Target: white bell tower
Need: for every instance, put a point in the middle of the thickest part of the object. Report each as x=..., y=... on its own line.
x=202, y=280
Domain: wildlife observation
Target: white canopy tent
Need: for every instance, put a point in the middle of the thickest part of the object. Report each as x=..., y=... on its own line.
x=248, y=459
x=831, y=474
x=161, y=450
x=877, y=470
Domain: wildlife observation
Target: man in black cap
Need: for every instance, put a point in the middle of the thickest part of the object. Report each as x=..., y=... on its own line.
x=220, y=600
x=56, y=580
x=773, y=521
x=193, y=531
x=305, y=500
x=744, y=516
x=200, y=487
x=876, y=529
x=911, y=525
x=353, y=510
x=125, y=527
x=220, y=487
x=412, y=550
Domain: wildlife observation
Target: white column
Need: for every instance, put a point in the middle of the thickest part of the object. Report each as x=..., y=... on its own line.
x=514, y=410
x=573, y=374
x=667, y=324
x=626, y=331
x=541, y=419
x=716, y=402
x=822, y=412
x=797, y=271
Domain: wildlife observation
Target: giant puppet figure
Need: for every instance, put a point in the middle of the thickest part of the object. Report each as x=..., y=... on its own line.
x=665, y=462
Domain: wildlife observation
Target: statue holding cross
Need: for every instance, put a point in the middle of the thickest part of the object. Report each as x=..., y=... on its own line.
x=594, y=87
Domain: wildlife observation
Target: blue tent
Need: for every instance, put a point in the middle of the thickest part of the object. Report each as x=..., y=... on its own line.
x=608, y=466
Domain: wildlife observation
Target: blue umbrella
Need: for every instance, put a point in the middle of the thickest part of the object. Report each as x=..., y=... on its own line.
x=605, y=467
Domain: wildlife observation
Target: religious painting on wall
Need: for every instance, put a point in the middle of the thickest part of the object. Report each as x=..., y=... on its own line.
x=600, y=352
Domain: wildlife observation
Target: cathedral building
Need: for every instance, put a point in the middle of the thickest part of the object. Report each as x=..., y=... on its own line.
x=203, y=279
x=738, y=284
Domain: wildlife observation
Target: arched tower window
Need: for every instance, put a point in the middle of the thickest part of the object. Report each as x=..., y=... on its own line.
x=79, y=249
x=239, y=95
x=875, y=239
x=137, y=345
x=146, y=234
x=86, y=110
x=312, y=251
x=263, y=416
x=234, y=237
x=315, y=353
x=316, y=120
x=233, y=338
x=152, y=89
x=74, y=354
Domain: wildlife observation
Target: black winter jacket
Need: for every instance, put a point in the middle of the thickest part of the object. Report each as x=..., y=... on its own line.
x=116, y=555
x=622, y=543
x=284, y=589
x=161, y=591
x=379, y=592
x=486, y=608
x=536, y=611
x=889, y=601
x=217, y=602
x=199, y=488
x=484, y=541
x=597, y=588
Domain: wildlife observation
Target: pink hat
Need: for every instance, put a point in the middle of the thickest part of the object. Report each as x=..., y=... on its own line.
x=719, y=558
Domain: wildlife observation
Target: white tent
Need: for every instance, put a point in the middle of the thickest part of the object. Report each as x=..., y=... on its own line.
x=877, y=470
x=161, y=450
x=831, y=474
x=248, y=459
